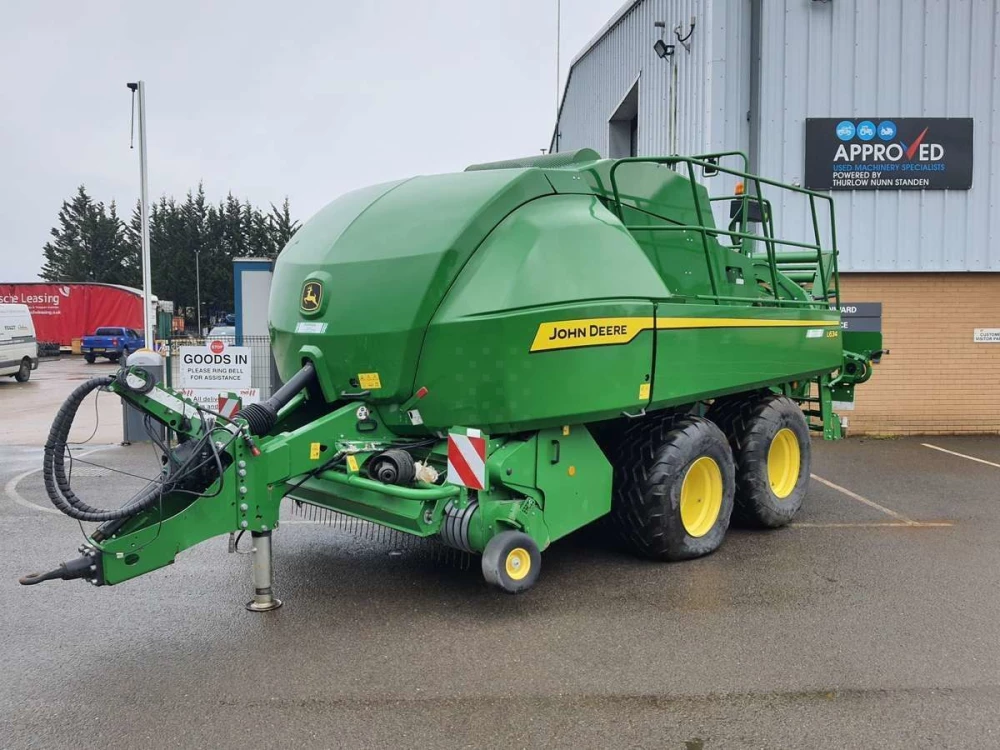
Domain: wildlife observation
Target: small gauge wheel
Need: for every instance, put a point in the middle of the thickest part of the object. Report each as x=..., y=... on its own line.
x=512, y=562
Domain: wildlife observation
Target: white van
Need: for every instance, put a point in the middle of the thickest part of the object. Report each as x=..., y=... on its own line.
x=18, y=347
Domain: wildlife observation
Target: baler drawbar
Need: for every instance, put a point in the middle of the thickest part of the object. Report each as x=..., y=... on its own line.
x=494, y=359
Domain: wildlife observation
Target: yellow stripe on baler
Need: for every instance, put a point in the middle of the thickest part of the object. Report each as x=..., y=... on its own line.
x=670, y=323
x=572, y=334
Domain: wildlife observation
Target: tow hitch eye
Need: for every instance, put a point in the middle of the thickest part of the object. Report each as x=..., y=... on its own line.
x=86, y=566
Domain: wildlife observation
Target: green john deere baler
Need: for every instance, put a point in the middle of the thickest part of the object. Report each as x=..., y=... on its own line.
x=496, y=358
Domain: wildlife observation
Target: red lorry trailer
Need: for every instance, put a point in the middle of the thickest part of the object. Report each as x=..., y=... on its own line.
x=63, y=312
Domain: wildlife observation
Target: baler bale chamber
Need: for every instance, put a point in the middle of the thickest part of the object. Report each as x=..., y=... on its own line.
x=495, y=358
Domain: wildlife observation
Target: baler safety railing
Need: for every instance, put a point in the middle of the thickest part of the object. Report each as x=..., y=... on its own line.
x=823, y=274
x=824, y=301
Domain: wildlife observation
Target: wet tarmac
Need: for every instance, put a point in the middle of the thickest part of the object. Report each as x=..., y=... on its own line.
x=872, y=622
x=26, y=409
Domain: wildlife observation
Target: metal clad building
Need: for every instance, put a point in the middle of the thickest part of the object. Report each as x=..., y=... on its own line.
x=749, y=77
x=698, y=95
x=903, y=58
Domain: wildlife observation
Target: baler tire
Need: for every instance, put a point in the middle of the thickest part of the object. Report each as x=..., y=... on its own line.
x=751, y=426
x=654, y=460
x=504, y=558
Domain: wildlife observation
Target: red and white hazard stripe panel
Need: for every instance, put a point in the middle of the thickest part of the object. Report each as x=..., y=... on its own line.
x=467, y=459
x=228, y=406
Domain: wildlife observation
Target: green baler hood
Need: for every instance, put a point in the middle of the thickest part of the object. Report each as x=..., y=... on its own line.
x=385, y=256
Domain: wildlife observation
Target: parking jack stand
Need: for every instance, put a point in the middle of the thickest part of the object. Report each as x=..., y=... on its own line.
x=260, y=556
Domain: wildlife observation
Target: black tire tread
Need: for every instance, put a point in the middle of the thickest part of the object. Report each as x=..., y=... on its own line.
x=737, y=416
x=644, y=451
x=495, y=555
x=23, y=374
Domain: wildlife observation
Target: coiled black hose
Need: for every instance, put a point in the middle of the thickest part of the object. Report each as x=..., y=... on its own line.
x=54, y=465
x=259, y=418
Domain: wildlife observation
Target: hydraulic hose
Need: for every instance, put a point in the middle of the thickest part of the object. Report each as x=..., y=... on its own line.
x=260, y=419
x=54, y=466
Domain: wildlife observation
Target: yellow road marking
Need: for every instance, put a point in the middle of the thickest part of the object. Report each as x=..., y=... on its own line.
x=961, y=455
x=870, y=503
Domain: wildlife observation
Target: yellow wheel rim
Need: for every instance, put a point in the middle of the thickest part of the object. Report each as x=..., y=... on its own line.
x=518, y=563
x=784, y=462
x=701, y=496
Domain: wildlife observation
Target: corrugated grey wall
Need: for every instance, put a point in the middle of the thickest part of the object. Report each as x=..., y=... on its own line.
x=712, y=80
x=843, y=58
x=891, y=58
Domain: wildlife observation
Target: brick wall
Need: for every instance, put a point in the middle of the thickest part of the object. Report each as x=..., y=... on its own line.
x=936, y=380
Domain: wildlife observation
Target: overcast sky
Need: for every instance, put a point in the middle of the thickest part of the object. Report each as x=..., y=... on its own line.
x=305, y=99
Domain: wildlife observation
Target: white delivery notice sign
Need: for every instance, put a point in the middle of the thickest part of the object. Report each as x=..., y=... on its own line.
x=209, y=398
x=216, y=365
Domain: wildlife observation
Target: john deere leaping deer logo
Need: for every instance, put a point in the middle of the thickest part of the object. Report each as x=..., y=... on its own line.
x=312, y=296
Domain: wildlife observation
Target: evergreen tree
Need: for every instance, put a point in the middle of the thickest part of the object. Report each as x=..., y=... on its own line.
x=113, y=259
x=87, y=245
x=281, y=225
x=260, y=242
x=92, y=243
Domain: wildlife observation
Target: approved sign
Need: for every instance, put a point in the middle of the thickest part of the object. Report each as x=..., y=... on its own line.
x=889, y=153
x=215, y=365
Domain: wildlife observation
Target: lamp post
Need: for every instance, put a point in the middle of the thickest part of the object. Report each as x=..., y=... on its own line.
x=139, y=87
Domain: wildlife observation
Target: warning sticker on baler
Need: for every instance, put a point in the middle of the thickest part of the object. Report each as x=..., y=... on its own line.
x=370, y=381
x=467, y=460
x=228, y=405
x=310, y=326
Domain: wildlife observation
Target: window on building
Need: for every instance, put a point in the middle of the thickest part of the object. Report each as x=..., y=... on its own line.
x=623, y=127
